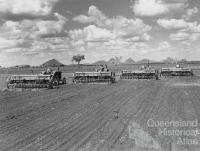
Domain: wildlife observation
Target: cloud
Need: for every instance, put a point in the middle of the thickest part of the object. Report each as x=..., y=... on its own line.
x=30, y=29
x=31, y=7
x=51, y=26
x=183, y=36
x=109, y=36
x=164, y=45
x=129, y=27
x=91, y=33
x=39, y=49
x=172, y=23
x=190, y=12
x=94, y=15
x=25, y=39
x=185, y=31
x=7, y=43
x=83, y=19
x=96, y=42
x=179, y=24
x=185, y=43
x=120, y=26
x=179, y=36
x=156, y=7
x=149, y=8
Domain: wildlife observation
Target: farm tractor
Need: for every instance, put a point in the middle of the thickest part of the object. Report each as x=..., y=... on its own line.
x=176, y=71
x=102, y=75
x=46, y=79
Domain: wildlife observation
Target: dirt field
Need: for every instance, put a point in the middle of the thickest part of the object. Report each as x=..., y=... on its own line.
x=99, y=117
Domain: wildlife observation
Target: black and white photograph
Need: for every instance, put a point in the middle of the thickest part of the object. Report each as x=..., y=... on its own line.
x=99, y=75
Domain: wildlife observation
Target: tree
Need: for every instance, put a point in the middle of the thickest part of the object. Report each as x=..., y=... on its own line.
x=78, y=58
x=116, y=60
x=170, y=60
x=183, y=61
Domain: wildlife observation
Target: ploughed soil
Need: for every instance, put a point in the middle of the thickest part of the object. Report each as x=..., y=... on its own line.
x=100, y=117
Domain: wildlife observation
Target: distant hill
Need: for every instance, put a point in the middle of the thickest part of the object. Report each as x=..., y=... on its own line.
x=193, y=62
x=101, y=62
x=145, y=61
x=112, y=62
x=52, y=63
x=129, y=61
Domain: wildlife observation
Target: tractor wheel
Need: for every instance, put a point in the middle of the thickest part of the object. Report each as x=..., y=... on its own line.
x=50, y=86
x=56, y=82
x=8, y=85
x=64, y=81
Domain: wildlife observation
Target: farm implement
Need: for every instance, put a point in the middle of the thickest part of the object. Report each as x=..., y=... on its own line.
x=176, y=71
x=94, y=77
x=42, y=80
x=139, y=74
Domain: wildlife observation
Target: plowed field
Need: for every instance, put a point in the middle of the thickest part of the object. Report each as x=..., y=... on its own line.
x=99, y=117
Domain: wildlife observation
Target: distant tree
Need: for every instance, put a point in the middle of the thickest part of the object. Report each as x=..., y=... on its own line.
x=78, y=58
x=116, y=60
x=170, y=60
x=183, y=61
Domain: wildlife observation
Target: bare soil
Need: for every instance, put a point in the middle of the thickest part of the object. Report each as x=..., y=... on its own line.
x=98, y=117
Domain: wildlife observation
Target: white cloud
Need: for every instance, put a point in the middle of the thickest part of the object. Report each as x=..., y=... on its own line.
x=32, y=7
x=185, y=31
x=94, y=15
x=83, y=19
x=91, y=33
x=156, y=7
x=129, y=27
x=190, y=12
x=172, y=23
x=6, y=43
x=40, y=49
x=120, y=26
x=96, y=42
x=164, y=45
x=179, y=36
x=108, y=36
x=183, y=36
x=21, y=38
x=179, y=24
x=32, y=28
x=194, y=36
x=50, y=27
x=149, y=8
x=185, y=43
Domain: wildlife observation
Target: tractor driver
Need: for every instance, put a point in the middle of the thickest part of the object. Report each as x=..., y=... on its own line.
x=48, y=71
x=101, y=68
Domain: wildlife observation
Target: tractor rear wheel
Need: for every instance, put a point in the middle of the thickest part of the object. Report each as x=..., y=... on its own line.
x=64, y=81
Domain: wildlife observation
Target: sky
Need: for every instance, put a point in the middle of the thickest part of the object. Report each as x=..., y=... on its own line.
x=34, y=31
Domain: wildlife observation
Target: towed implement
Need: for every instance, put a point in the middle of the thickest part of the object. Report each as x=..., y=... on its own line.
x=94, y=77
x=177, y=71
x=139, y=74
x=42, y=80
